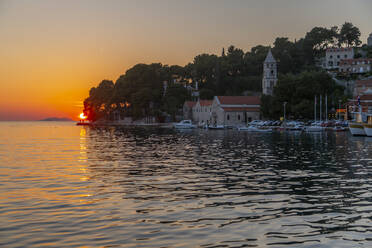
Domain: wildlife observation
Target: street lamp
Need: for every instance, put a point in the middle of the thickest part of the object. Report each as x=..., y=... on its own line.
x=285, y=103
x=339, y=109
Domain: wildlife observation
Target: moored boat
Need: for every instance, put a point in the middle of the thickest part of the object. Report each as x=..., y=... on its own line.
x=356, y=128
x=314, y=128
x=255, y=129
x=368, y=126
x=184, y=124
x=216, y=127
x=368, y=129
x=338, y=129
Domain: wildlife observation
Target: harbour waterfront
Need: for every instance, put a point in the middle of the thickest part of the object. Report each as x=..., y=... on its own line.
x=63, y=185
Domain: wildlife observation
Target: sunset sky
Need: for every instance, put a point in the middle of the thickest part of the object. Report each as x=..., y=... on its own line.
x=53, y=52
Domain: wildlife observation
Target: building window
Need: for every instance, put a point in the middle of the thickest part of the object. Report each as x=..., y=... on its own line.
x=338, y=56
x=228, y=117
x=331, y=57
x=345, y=56
x=239, y=117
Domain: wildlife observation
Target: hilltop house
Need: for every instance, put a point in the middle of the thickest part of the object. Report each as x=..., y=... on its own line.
x=349, y=66
x=362, y=87
x=235, y=110
x=335, y=55
x=363, y=90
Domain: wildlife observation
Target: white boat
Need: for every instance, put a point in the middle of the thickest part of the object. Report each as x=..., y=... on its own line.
x=184, y=124
x=356, y=126
x=314, y=128
x=339, y=129
x=254, y=129
x=368, y=126
x=296, y=128
x=216, y=127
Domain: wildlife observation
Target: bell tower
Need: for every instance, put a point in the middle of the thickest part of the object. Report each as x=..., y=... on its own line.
x=269, y=78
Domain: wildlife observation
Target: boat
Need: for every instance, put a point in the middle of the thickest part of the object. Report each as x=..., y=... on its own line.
x=255, y=129
x=82, y=123
x=315, y=127
x=339, y=129
x=368, y=126
x=356, y=126
x=296, y=128
x=216, y=127
x=184, y=124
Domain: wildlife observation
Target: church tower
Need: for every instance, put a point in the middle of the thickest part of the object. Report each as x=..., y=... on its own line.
x=269, y=78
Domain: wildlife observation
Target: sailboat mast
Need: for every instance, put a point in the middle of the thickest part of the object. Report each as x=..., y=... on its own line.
x=326, y=110
x=315, y=108
x=320, y=108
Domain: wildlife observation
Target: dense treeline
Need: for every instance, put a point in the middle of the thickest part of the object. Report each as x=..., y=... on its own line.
x=299, y=91
x=140, y=91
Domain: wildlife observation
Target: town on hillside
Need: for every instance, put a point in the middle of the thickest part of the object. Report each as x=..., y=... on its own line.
x=324, y=75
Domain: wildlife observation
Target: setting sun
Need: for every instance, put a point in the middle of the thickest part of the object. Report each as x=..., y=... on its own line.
x=82, y=116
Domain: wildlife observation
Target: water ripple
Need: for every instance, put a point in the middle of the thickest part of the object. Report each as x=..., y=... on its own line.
x=66, y=186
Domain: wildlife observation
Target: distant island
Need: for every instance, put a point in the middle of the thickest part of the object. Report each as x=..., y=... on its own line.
x=56, y=119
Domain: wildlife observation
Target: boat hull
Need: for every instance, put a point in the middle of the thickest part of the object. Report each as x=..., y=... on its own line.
x=356, y=129
x=314, y=129
x=368, y=129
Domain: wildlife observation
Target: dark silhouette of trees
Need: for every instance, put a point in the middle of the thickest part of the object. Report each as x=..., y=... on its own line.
x=140, y=91
x=299, y=91
x=349, y=35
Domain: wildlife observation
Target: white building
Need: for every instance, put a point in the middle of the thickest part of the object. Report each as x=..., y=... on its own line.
x=235, y=110
x=269, y=78
x=335, y=55
x=202, y=111
x=188, y=110
x=350, y=66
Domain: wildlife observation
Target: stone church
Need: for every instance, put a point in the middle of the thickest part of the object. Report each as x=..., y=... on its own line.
x=270, y=78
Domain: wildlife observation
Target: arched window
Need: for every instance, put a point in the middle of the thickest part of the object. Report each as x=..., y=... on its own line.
x=239, y=117
x=228, y=117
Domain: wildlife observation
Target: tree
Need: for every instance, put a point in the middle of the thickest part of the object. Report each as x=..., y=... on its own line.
x=349, y=35
x=299, y=91
x=97, y=104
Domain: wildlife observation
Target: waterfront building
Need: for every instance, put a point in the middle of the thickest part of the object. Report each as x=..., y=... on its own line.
x=335, y=55
x=362, y=87
x=202, y=111
x=362, y=96
x=188, y=110
x=235, y=110
x=355, y=66
x=269, y=78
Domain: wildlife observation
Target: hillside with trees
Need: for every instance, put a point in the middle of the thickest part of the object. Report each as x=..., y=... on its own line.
x=140, y=91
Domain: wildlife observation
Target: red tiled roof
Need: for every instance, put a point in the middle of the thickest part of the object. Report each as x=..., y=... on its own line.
x=239, y=109
x=336, y=49
x=205, y=102
x=239, y=100
x=350, y=61
x=190, y=104
x=361, y=83
x=365, y=97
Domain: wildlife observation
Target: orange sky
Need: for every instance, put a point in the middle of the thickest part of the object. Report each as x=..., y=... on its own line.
x=53, y=52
